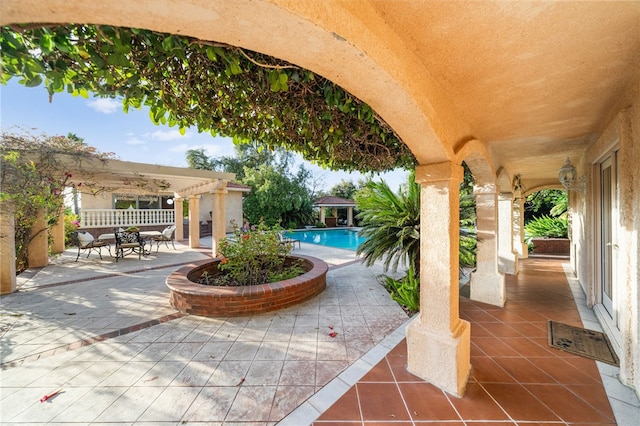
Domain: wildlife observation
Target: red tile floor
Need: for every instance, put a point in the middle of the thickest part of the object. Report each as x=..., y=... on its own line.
x=516, y=377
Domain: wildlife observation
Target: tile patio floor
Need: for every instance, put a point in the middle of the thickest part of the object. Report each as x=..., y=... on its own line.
x=105, y=334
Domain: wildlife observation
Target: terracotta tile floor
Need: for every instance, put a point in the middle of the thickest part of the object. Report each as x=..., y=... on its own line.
x=516, y=377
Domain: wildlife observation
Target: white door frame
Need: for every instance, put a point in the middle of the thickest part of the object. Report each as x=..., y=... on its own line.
x=606, y=195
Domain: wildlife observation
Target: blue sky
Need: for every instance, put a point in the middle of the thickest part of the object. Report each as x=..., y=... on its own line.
x=131, y=136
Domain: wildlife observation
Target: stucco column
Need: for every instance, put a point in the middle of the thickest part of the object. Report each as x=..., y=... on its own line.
x=178, y=216
x=219, y=219
x=38, y=250
x=57, y=235
x=194, y=221
x=349, y=216
x=507, y=257
x=518, y=225
x=322, y=214
x=7, y=248
x=438, y=341
x=487, y=283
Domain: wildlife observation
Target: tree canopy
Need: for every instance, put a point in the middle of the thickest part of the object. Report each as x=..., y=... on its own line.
x=217, y=88
x=278, y=193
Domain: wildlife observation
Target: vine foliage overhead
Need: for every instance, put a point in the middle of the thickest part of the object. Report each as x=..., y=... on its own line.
x=217, y=88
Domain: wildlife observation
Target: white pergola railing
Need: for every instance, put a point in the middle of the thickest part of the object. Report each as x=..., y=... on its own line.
x=106, y=218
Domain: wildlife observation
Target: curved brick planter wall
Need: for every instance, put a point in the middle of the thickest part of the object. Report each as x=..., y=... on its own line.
x=212, y=301
x=551, y=246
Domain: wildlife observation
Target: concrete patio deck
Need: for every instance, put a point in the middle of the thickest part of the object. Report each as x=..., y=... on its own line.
x=105, y=333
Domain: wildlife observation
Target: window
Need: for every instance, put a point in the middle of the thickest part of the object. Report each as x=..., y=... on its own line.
x=142, y=202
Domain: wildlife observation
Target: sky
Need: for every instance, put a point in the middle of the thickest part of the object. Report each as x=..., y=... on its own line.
x=132, y=136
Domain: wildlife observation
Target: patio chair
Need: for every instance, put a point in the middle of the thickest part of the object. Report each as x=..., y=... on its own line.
x=128, y=242
x=288, y=241
x=167, y=235
x=85, y=241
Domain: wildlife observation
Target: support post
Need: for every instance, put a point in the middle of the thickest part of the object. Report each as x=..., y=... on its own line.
x=38, y=250
x=57, y=235
x=349, y=216
x=438, y=341
x=487, y=283
x=219, y=219
x=7, y=248
x=178, y=217
x=507, y=257
x=194, y=221
x=518, y=236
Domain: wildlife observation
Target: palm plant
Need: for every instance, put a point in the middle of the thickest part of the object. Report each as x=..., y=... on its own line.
x=391, y=222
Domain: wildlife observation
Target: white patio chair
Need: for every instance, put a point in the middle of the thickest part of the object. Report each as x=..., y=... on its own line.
x=167, y=235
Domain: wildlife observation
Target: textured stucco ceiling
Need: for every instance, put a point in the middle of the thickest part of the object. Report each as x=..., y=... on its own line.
x=535, y=80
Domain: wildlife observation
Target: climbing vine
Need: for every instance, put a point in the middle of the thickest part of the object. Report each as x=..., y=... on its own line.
x=217, y=88
x=33, y=180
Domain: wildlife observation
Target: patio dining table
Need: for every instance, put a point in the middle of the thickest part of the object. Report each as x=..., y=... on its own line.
x=146, y=235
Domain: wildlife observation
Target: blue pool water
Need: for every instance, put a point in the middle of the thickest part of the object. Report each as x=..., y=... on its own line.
x=339, y=238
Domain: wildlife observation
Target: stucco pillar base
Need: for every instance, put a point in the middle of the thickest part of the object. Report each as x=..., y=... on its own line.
x=442, y=359
x=524, y=253
x=488, y=287
x=508, y=263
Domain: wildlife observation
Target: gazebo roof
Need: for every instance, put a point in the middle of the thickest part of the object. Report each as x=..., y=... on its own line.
x=330, y=201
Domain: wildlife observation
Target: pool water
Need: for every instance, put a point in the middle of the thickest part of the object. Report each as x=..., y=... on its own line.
x=339, y=238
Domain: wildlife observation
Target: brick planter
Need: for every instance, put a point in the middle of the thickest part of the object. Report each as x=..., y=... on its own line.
x=551, y=246
x=214, y=301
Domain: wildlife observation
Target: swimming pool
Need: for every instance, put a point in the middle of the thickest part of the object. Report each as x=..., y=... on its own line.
x=339, y=238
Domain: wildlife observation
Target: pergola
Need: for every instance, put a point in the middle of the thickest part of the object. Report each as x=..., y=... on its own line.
x=100, y=177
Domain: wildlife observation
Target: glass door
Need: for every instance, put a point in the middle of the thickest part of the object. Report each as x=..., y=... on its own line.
x=608, y=244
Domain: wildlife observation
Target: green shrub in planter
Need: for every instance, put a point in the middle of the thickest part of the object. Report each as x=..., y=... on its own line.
x=547, y=227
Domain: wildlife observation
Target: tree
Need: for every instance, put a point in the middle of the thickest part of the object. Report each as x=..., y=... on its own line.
x=33, y=180
x=546, y=202
x=217, y=88
x=198, y=159
x=276, y=197
x=277, y=194
x=344, y=189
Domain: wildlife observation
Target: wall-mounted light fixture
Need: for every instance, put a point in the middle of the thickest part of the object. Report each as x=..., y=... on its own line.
x=518, y=187
x=569, y=179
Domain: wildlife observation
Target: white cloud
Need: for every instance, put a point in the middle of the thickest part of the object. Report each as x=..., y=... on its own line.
x=134, y=140
x=104, y=105
x=166, y=135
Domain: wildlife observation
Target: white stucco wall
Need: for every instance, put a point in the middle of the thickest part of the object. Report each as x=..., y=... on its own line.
x=621, y=134
x=233, y=202
x=233, y=209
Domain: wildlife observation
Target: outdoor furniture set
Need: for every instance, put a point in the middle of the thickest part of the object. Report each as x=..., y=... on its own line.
x=126, y=241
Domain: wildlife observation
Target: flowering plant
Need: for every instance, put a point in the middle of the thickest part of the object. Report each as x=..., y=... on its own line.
x=71, y=223
x=253, y=256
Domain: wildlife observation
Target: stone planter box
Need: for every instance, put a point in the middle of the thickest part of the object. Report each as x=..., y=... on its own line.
x=216, y=301
x=551, y=246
